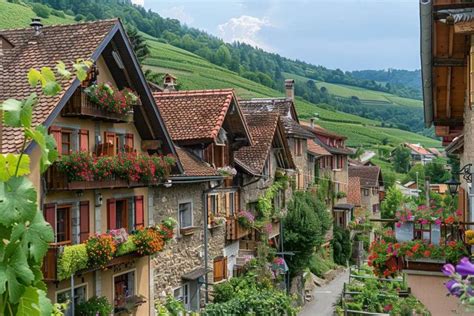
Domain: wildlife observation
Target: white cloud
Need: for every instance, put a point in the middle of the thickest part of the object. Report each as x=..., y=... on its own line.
x=178, y=13
x=244, y=29
x=139, y=2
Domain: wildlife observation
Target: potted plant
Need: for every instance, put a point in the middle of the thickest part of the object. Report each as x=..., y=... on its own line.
x=246, y=219
x=95, y=306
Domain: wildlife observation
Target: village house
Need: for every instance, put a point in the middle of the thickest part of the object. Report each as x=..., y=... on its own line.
x=75, y=205
x=209, y=127
x=368, y=180
x=419, y=154
x=296, y=135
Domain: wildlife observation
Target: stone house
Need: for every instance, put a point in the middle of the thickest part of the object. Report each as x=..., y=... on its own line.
x=419, y=154
x=370, y=185
x=81, y=207
x=260, y=165
x=296, y=135
x=209, y=127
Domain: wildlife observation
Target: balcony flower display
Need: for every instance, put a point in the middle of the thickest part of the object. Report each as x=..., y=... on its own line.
x=461, y=283
x=428, y=215
x=167, y=228
x=110, y=99
x=384, y=255
x=246, y=219
x=148, y=241
x=131, y=167
x=100, y=250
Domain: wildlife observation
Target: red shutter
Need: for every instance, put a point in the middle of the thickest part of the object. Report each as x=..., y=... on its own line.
x=109, y=137
x=139, y=212
x=49, y=212
x=83, y=140
x=55, y=131
x=84, y=221
x=111, y=214
x=129, y=142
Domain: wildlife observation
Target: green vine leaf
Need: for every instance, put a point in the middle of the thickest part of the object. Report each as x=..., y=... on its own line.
x=34, y=76
x=51, y=88
x=9, y=163
x=17, y=201
x=37, y=236
x=45, y=304
x=46, y=143
x=15, y=272
x=29, y=304
x=61, y=69
x=47, y=74
x=11, y=115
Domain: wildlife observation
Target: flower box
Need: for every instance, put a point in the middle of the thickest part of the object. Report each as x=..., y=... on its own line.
x=424, y=264
x=188, y=231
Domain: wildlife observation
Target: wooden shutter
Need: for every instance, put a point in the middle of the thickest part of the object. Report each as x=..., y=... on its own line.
x=219, y=270
x=226, y=150
x=227, y=203
x=55, y=131
x=83, y=140
x=218, y=201
x=109, y=137
x=237, y=202
x=83, y=221
x=111, y=214
x=129, y=142
x=209, y=209
x=139, y=212
x=49, y=212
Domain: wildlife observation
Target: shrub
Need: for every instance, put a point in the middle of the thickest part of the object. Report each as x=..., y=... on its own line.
x=95, y=306
x=73, y=259
x=41, y=10
x=79, y=17
x=341, y=245
x=318, y=265
x=69, y=12
x=58, y=13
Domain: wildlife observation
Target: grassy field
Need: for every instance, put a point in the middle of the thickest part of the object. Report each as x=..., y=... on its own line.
x=13, y=15
x=193, y=72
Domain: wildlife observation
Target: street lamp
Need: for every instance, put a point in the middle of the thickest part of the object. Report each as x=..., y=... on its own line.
x=453, y=186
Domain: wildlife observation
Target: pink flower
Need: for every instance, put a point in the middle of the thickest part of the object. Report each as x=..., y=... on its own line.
x=399, y=224
x=438, y=221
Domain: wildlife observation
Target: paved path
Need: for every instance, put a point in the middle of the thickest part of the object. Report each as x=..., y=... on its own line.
x=325, y=297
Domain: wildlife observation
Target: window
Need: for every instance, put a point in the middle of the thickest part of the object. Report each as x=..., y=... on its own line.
x=80, y=295
x=121, y=214
x=185, y=214
x=182, y=294
x=267, y=167
x=298, y=147
x=63, y=223
x=124, y=286
x=366, y=192
x=126, y=213
x=213, y=204
x=231, y=203
x=66, y=147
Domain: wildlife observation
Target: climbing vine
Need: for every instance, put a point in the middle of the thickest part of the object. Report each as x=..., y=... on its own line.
x=265, y=208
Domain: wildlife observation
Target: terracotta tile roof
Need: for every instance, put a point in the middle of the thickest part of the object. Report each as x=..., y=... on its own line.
x=369, y=175
x=418, y=149
x=262, y=127
x=317, y=149
x=60, y=42
x=193, y=166
x=194, y=114
x=353, y=194
x=318, y=130
x=293, y=128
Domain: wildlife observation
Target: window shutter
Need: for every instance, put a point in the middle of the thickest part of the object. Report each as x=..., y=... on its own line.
x=462, y=201
x=83, y=140
x=209, y=209
x=218, y=211
x=84, y=221
x=139, y=212
x=218, y=269
x=129, y=142
x=237, y=202
x=226, y=155
x=111, y=214
x=227, y=203
x=55, y=131
x=49, y=212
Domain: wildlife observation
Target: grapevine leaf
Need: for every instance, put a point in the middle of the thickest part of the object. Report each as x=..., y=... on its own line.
x=17, y=201
x=46, y=143
x=26, y=113
x=11, y=116
x=37, y=236
x=81, y=69
x=47, y=74
x=34, y=76
x=8, y=164
x=45, y=304
x=51, y=88
x=29, y=304
x=61, y=69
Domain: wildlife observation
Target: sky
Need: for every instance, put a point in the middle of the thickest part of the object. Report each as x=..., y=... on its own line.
x=345, y=34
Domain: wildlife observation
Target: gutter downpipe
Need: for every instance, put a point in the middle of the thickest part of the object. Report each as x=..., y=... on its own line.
x=206, y=237
x=426, y=26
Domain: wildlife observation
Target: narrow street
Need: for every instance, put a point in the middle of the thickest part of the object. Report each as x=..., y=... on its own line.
x=325, y=297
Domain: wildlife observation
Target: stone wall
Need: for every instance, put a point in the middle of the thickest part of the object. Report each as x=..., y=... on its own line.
x=301, y=162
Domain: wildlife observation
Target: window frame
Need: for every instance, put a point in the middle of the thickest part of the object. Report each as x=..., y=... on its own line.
x=134, y=271
x=70, y=133
x=68, y=290
x=184, y=202
x=214, y=196
x=68, y=226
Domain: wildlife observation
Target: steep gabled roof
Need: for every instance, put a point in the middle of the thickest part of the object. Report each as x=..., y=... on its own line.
x=318, y=130
x=418, y=149
x=68, y=43
x=193, y=166
x=266, y=131
x=284, y=106
x=195, y=116
x=370, y=176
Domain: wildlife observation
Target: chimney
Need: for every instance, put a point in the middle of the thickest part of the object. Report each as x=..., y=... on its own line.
x=311, y=120
x=37, y=25
x=169, y=83
x=290, y=88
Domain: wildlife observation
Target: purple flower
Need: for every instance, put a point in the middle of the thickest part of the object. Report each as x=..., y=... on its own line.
x=398, y=224
x=454, y=288
x=465, y=267
x=448, y=269
x=438, y=221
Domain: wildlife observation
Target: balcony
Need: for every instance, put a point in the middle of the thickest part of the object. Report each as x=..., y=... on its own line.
x=81, y=106
x=234, y=230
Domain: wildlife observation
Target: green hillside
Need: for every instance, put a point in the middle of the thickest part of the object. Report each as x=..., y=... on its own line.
x=14, y=15
x=195, y=72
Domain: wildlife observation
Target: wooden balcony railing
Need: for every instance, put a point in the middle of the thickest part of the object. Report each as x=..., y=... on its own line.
x=80, y=106
x=235, y=231
x=49, y=267
x=56, y=180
